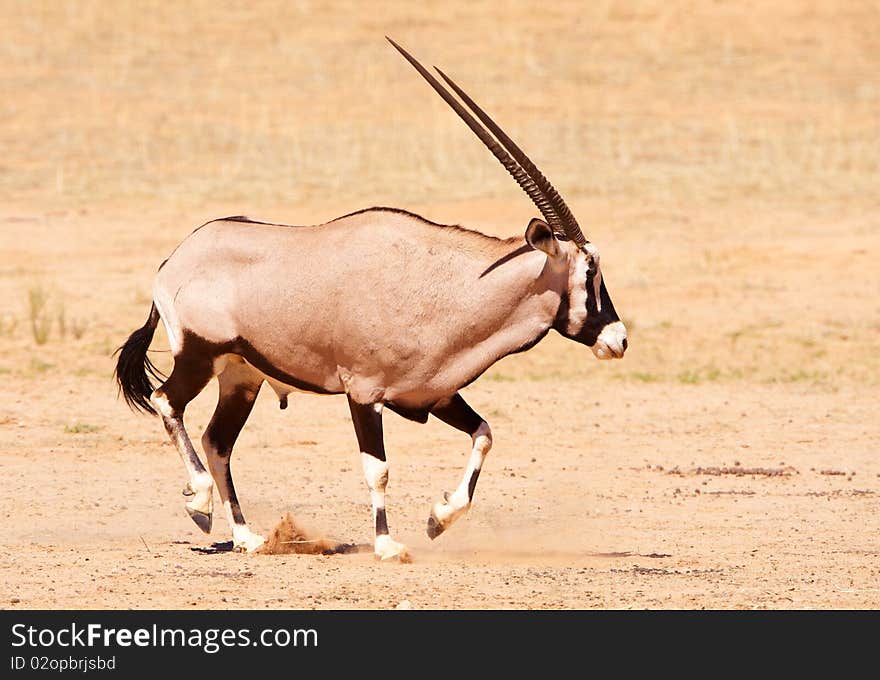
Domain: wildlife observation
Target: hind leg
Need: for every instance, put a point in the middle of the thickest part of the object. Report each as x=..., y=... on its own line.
x=239, y=387
x=190, y=375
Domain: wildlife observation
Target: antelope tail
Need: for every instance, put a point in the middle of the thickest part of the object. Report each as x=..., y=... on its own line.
x=134, y=369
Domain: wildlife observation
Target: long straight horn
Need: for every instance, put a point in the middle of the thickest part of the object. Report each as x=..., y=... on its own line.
x=523, y=178
x=572, y=230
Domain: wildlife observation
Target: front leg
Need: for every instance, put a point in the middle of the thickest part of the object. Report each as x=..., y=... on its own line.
x=367, y=419
x=456, y=412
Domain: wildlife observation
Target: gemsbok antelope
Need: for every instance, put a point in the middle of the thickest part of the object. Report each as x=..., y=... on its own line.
x=389, y=308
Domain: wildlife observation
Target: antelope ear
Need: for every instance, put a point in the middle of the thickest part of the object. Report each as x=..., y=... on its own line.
x=540, y=236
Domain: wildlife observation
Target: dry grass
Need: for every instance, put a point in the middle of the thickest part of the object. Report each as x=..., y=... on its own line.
x=725, y=156
x=648, y=100
x=38, y=314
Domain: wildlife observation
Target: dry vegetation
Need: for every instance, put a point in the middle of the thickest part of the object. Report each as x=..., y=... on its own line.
x=696, y=141
x=725, y=156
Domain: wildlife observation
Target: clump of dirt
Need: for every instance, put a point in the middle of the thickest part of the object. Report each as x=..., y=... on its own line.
x=290, y=538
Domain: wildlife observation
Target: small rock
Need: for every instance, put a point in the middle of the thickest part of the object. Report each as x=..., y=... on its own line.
x=404, y=604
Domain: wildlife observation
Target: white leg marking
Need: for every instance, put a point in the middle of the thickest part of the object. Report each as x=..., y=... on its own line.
x=243, y=539
x=387, y=549
x=200, y=483
x=203, y=500
x=160, y=401
x=376, y=475
x=457, y=503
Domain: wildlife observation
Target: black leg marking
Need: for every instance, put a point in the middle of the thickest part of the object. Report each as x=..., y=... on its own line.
x=456, y=412
x=381, y=522
x=238, y=393
x=368, y=428
x=233, y=409
x=472, y=484
x=234, y=506
x=190, y=375
x=418, y=415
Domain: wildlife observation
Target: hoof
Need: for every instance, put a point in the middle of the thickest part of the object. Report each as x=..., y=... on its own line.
x=403, y=557
x=250, y=545
x=434, y=528
x=203, y=520
x=388, y=550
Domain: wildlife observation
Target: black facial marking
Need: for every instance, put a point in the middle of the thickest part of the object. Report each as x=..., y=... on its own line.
x=381, y=522
x=595, y=321
x=592, y=305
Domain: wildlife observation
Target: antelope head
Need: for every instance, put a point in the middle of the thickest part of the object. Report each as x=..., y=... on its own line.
x=586, y=313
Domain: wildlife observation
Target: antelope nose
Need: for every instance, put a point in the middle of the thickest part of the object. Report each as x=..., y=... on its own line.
x=624, y=344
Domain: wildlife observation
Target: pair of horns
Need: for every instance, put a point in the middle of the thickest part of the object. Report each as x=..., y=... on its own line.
x=529, y=178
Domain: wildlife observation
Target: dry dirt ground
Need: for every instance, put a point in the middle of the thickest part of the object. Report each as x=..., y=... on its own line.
x=607, y=486
x=725, y=159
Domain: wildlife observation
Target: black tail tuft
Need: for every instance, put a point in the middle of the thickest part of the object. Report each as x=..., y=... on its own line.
x=134, y=368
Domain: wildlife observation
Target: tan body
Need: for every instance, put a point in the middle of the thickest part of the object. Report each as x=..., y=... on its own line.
x=381, y=305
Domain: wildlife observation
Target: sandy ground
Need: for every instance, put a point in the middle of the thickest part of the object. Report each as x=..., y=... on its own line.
x=725, y=160
x=605, y=488
x=622, y=506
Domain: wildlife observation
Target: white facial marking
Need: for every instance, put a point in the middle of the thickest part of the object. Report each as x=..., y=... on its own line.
x=609, y=344
x=577, y=299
